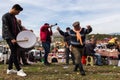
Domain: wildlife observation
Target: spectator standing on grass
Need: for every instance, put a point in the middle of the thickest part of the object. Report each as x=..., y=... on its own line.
x=67, y=45
x=45, y=37
x=22, y=52
x=78, y=37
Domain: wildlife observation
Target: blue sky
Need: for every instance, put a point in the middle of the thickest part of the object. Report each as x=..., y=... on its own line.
x=102, y=15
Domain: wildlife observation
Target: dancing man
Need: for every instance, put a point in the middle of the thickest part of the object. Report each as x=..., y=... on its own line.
x=78, y=35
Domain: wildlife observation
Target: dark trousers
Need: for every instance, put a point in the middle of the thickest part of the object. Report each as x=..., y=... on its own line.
x=21, y=55
x=46, y=46
x=13, y=55
x=68, y=52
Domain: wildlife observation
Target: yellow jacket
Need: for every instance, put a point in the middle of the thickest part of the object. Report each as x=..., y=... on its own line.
x=112, y=40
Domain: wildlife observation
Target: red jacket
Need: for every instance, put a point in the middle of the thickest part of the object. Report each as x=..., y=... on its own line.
x=45, y=33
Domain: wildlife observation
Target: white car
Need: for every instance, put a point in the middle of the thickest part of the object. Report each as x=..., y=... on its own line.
x=61, y=53
x=35, y=54
x=4, y=53
x=1, y=56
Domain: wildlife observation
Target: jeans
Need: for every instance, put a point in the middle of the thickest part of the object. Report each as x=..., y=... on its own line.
x=46, y=46
x=98, y=59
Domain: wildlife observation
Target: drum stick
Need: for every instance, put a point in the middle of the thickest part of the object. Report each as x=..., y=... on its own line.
x=22, y=40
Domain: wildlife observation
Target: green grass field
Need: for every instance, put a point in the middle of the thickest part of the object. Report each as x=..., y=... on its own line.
x=39, y=71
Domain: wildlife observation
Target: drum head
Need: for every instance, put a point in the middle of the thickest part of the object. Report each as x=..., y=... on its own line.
x=30, y=36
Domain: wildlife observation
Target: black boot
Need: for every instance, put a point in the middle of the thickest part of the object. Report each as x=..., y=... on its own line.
x=82, y=72
x=76, y=67
x=46, y=62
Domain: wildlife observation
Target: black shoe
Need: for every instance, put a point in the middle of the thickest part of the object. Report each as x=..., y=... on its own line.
x=76, y=67
x=73, y=63
x=26, y=64
x=100, y=64
x=82, y=73
x=75, y=70
x=47, y=64
x=67, y=63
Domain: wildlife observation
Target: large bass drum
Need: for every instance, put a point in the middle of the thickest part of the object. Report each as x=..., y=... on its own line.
x=26, y=39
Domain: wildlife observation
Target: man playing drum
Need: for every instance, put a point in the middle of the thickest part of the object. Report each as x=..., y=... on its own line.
x=9, y=33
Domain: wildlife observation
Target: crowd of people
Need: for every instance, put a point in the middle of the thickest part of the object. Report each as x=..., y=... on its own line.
x=75, y=42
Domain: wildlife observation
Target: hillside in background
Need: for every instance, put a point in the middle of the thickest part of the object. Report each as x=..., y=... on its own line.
x=0, y=37
x=57, y=34
x=115, y=33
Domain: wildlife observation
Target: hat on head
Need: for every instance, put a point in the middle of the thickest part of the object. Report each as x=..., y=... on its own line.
x=76, y=23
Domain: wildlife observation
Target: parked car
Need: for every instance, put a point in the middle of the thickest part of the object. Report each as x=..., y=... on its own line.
x=35, y=55
x=1, y=56
x=61, y=53
x=4, y=54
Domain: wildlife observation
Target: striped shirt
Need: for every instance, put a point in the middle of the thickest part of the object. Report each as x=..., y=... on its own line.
x=73, y=38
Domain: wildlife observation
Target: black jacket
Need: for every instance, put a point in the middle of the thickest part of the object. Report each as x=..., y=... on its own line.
x=66, y=36
x=9, y=26
x=89, y=49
